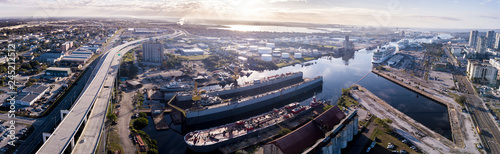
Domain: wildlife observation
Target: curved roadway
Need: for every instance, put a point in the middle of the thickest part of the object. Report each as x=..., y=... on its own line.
x=64, y=134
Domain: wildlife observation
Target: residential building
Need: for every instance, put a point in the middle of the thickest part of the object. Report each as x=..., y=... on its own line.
x=152, y=51
x=490, y=36
x=473, y=38
x=481, y=46
x=483, y=73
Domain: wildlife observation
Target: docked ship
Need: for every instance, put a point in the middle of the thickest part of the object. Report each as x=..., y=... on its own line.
x=252, y=87
x=175, y=86
x=215, y=111
x=383, y=54
x=212, y=138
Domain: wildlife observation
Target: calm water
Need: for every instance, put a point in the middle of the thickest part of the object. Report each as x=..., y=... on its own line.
x=340, y=73
x=257, y=28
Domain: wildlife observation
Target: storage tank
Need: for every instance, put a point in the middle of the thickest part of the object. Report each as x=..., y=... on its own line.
x=265, y=50
x=253, y=48
x=270, y=45
x=267, y=57
x=297, y=55
x=276, y=53
x=285, y=55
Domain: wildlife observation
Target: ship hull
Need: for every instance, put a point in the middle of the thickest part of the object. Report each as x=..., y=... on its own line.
x=208, y=115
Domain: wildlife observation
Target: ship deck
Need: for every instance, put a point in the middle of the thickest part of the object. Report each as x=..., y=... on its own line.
x=249, y=98
x=263, y=80
x=223, y=133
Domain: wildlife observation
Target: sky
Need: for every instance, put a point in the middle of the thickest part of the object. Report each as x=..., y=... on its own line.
x=466, y=14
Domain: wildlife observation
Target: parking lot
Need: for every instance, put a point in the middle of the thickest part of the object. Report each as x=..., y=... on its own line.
x=5, y=131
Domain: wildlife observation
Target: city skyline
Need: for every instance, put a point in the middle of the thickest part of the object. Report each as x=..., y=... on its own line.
x=390, y=13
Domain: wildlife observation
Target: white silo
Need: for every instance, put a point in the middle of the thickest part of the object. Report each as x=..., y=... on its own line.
x=285, y=55
x=265, y=50
x=253, y=48
x=266, y=57
x=276, y=53
x=270, y=45
x=297, y=55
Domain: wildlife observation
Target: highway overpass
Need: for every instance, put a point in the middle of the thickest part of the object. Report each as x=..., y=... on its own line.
x=90, y=108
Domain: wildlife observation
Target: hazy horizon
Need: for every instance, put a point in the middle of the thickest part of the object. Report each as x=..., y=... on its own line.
x=447, y=14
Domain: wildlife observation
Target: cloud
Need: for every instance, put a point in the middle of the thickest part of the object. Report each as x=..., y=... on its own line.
x=434, y=17
x=490, y=17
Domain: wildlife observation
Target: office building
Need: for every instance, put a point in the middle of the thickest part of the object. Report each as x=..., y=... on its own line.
x=58, y=71
x=497, y=41
x=490, y=36
x=152, y=51
x=473, y=39
x=483, y=73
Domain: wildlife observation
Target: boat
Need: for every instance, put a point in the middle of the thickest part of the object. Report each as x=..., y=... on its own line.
x=212, y=138
x=250, y=88
x=200, y=114
x=176, y=86
x=383, y=54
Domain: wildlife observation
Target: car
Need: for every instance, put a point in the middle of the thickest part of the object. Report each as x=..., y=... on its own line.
x=395, y=151
x=117, y=106
x=413, y=147
x=402, y=151
x=479, y=145
x=404, y=141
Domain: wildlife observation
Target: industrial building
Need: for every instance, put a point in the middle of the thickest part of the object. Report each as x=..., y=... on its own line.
x=30, y=95
x=57, y=71
x=152, y=51
x=483, y=73
x=329, y=133
x=191, y=52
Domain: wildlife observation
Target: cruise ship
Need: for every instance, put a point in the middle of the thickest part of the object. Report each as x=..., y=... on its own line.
x=383, y=54
x=212, y=138
x=215, y=111
x=251, y=88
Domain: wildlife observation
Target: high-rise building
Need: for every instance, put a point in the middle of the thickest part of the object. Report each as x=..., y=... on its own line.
x=497, y=41
x=348, y=45
x=481, y=45
x=490, y=36
x=152, y=51
x=482, y=73
x=473, y=39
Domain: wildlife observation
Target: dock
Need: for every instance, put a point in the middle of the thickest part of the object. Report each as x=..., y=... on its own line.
x=453, y=112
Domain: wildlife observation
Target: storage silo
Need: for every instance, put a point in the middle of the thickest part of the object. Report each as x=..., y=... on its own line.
x=265, y=50
x=266, y=57
x=297, y=55
x=285, y=55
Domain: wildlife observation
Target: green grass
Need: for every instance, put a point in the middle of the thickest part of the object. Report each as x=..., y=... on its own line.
x=195, y=58
x=113, y=143
x=284, y=64
x=129, y=56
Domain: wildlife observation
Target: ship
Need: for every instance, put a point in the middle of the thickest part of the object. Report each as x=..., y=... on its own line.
x=250, y=88
x=175, y=86
x=214, y=111
x=383, y=54
x=212, y=138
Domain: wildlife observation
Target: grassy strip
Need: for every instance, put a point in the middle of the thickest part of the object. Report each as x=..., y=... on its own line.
x=196, y=58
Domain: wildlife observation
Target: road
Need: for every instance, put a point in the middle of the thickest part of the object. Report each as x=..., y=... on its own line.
x=35, y=138
x=481, y=117
x=64, y=134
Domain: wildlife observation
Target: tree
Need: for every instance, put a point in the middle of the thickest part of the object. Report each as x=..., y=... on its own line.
x=142, y=114
x=153, y=151
x=112, y=117
x=140, y=123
